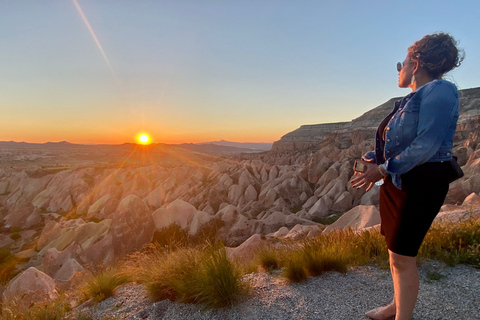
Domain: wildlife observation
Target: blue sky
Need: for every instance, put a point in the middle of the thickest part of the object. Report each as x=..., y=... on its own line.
x=194, y=71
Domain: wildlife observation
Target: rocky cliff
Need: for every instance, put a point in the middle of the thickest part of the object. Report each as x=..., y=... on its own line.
x=363, y=127
x=306, y=136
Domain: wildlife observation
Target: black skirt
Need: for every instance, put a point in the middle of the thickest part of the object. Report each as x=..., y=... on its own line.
x=407, y=214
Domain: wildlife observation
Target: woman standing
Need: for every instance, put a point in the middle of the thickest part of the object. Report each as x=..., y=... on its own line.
x=412, y=153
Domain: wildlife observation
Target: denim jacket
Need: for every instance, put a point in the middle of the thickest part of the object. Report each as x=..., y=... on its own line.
x=420, y=129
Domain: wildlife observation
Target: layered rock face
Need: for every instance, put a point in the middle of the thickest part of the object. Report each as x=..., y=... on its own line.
x=306, y=136
x=363, y=128
x=313, y=135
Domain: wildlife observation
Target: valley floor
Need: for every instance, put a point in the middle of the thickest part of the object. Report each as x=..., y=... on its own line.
x=456, y=295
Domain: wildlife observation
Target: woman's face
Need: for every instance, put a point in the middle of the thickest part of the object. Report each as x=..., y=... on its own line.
x=406, y=73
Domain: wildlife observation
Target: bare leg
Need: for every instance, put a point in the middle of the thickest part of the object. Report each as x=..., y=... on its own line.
x=385, y=312
x=405, y=284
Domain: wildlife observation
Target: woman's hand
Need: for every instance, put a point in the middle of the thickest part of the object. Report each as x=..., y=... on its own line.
x=368, y=177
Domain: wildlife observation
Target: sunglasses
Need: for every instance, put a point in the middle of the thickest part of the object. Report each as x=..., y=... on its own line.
x=400, y=65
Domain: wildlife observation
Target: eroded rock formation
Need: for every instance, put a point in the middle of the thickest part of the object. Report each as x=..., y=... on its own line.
x=84, y=214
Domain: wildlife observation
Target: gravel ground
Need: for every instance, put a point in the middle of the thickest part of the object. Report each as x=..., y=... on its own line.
x=331, y=296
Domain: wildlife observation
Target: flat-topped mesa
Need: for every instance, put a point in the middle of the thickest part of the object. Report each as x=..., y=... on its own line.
x=306, y=136
x=363, y=127
x=311, y=135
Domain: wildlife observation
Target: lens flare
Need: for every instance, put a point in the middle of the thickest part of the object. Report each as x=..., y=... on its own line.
x=94, y=36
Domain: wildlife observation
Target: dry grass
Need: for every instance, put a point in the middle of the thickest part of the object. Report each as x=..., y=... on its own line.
x=201, y=274
x=103, y=284
x=268, y=258
x=50, y=310
x=293, y=269
x=453, y=243
x=8, y=263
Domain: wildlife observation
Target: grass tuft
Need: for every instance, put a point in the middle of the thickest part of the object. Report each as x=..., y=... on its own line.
x=202, y=275
x=103, y=285
x=434, y=276
x=218, y=280
x=268, y=258
x=294, y=269
x=323, y=260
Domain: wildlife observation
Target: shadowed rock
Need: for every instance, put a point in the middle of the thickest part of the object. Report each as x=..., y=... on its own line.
x=360, y=217
x=30, y=286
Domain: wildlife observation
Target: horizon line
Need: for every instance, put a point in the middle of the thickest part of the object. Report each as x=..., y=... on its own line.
x=133, y=143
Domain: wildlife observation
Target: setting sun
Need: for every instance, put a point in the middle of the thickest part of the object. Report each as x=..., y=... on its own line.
x=143, y=138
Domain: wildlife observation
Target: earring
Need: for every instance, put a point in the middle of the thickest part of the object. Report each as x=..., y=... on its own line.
x=412, y=80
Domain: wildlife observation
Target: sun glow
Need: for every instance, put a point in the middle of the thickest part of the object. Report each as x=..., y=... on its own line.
x=143, y=138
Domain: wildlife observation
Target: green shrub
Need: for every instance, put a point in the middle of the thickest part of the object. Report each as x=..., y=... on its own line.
x=434, y=276
x=171, y=238
x=15, y=236
x=328, y=219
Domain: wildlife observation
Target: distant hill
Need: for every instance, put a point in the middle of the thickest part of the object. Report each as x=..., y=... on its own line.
x=212, y=148
x=254, y=146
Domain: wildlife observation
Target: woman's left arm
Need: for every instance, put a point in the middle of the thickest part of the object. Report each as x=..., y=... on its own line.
x=439, y=106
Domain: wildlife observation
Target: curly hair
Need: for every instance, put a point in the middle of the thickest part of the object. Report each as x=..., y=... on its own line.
x=437, y=53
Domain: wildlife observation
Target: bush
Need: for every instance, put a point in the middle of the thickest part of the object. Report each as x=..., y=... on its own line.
x=171, y=238
x=15, y=236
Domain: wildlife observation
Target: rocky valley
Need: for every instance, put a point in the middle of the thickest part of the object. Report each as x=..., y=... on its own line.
x=65, y=206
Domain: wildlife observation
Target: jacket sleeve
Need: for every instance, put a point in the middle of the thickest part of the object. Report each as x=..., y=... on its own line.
x=369, y=156
x=438, y=108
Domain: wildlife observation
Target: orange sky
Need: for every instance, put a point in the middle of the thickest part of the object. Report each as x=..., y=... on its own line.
x=188, y=71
